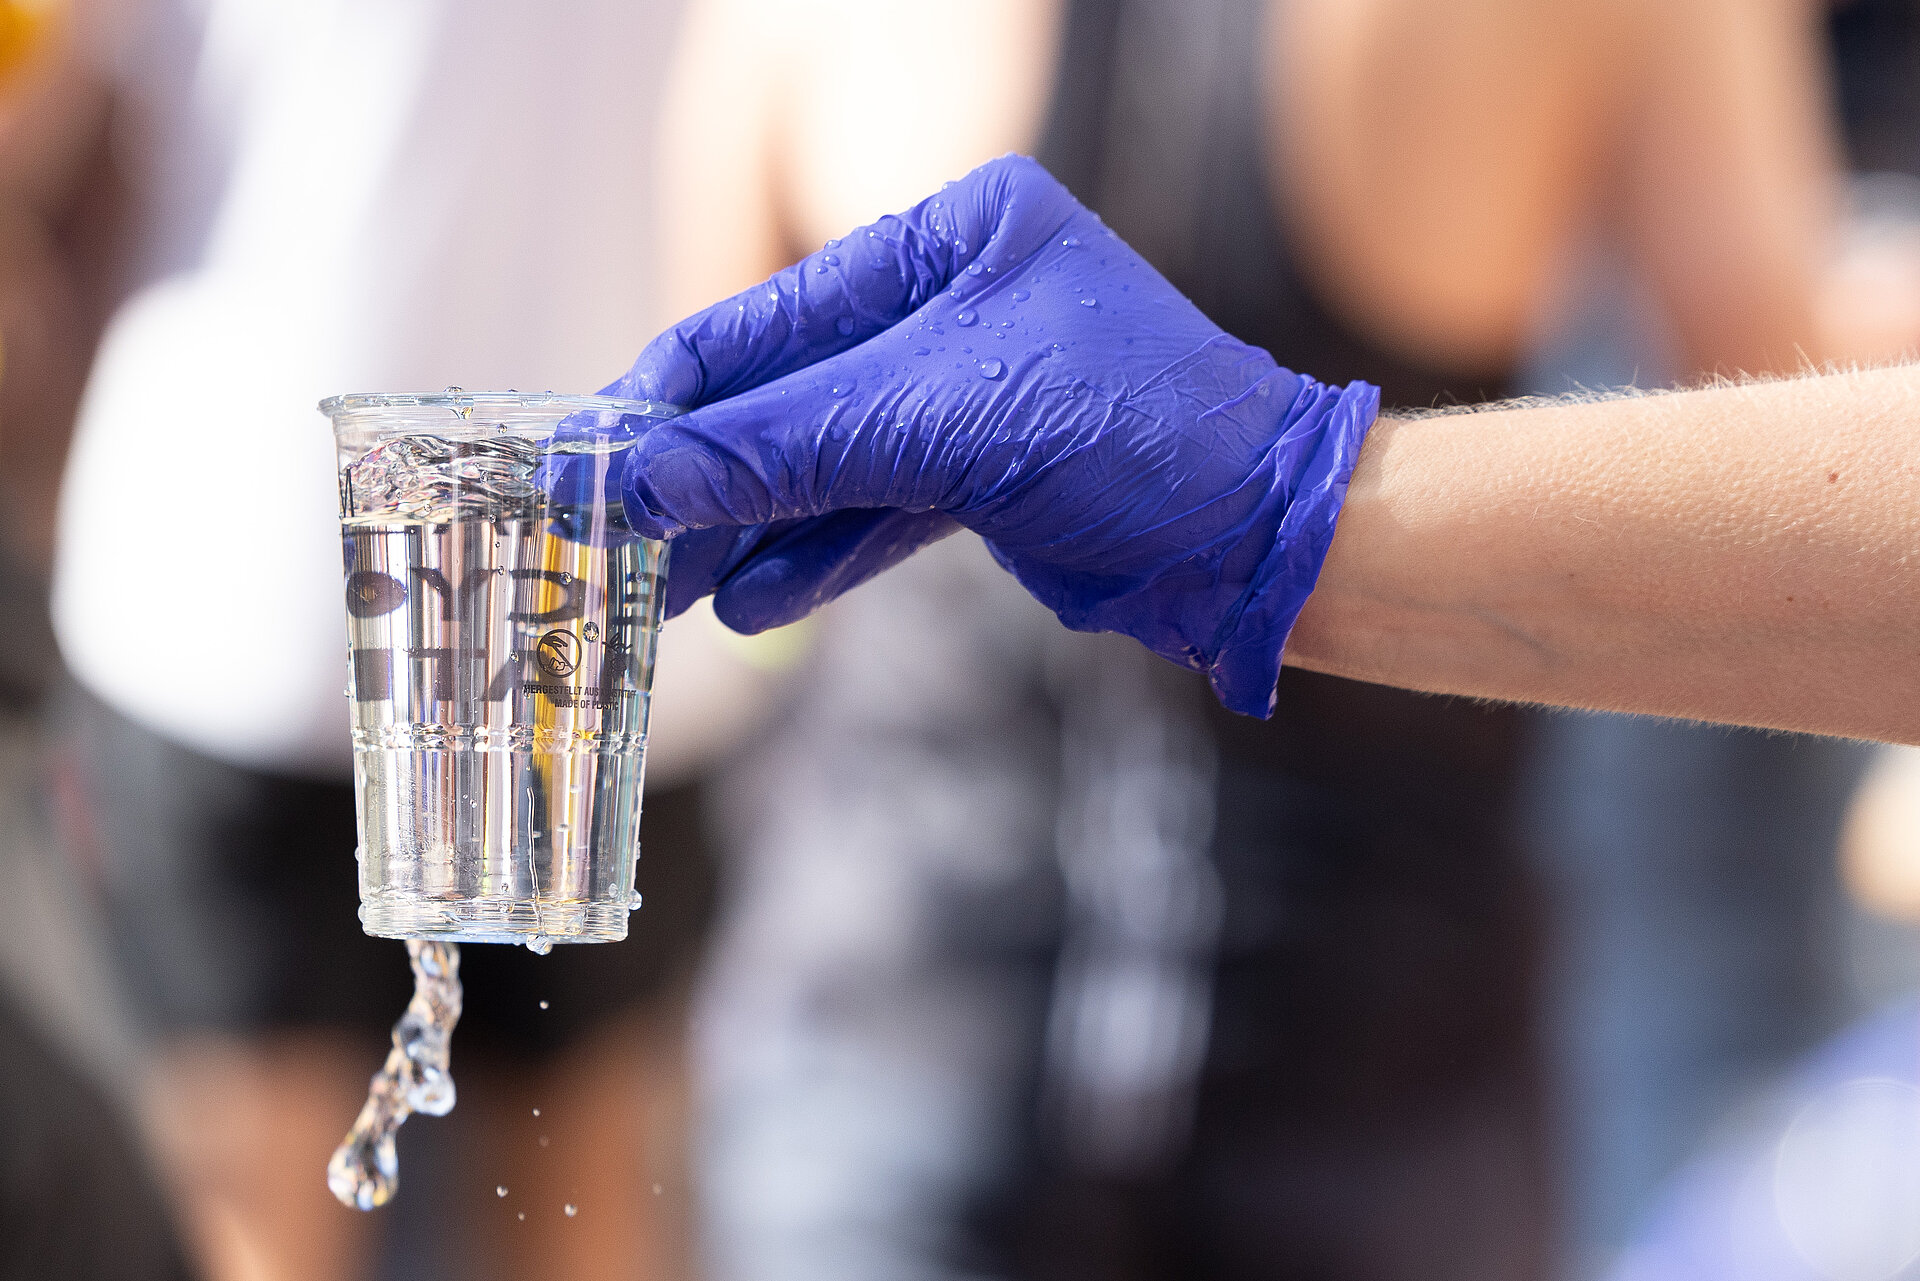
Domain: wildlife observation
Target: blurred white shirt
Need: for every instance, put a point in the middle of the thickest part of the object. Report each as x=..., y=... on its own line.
x=336, y=195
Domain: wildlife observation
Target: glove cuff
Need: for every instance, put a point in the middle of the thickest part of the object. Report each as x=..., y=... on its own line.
x=1246, y=667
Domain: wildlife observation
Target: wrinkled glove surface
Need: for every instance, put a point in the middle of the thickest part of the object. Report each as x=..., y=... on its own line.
x=995, y=358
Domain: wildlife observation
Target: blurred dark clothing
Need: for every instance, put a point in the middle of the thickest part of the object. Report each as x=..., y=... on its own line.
x=1371, y=1103
x=1702, y=941
x=1876, y=50
x=231, y=898
x=77, y=1201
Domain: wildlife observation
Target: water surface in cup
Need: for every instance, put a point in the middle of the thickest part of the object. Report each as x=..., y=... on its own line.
x=501, y=652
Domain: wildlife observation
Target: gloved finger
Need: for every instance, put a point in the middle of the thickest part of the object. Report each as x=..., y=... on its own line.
x=793, y=575
x=702, y=559
x=580, y=467
x=582, y=461
x=962, y=239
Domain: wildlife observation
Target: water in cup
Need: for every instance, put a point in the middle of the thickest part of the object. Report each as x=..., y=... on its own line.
x=501, y=652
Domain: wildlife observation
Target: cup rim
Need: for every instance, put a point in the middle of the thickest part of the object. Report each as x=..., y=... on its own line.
x=456, y=399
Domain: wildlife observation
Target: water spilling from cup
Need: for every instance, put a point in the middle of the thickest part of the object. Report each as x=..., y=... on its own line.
x=502, y=620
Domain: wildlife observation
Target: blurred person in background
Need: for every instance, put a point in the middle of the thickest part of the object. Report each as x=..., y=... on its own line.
x=1013, y=979
x=1703, y=938
x=1813, y=1173
x=320, y=198
x=78, y=1198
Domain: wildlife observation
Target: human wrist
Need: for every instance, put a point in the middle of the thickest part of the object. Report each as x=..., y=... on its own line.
x=1332, y=423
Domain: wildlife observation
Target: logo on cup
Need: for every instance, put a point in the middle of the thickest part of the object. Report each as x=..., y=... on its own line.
x=558, y=652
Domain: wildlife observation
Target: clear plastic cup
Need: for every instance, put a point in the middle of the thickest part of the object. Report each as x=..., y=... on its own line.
x=501, y=622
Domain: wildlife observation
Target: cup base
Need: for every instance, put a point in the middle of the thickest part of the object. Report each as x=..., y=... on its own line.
x=494, y=920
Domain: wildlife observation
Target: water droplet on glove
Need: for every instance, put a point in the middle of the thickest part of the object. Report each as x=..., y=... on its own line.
x=992, y=368
x=845, y=326
x=966, y=318
x=1020, y=295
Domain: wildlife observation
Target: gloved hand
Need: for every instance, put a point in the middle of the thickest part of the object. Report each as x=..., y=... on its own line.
x=995, y=358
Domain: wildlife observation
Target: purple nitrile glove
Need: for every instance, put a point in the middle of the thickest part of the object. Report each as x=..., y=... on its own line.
x=995, y=358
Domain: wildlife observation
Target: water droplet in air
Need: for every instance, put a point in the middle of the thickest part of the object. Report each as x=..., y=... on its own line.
x=974, y=269
x=992, y=368
x=536, y=1111
x=434, y=1095
x=591, y=631
x=544, y=1140
x=522, y=1216
x=656, y=1189
x=501, y=1190
x=967, y=318
x=845, y=326
x=543, y=1005
x=572, y=1209
x=1020, y=295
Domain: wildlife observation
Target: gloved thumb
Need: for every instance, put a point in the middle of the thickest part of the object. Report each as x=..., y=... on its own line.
x=855, y=288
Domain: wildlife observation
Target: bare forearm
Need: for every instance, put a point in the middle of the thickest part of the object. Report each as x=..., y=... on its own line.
x=1744, y=554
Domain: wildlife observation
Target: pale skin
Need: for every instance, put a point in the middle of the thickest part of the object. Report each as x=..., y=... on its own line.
x=1745, y=554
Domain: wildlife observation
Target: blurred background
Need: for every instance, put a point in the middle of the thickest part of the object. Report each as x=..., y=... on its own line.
x=972, y=948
